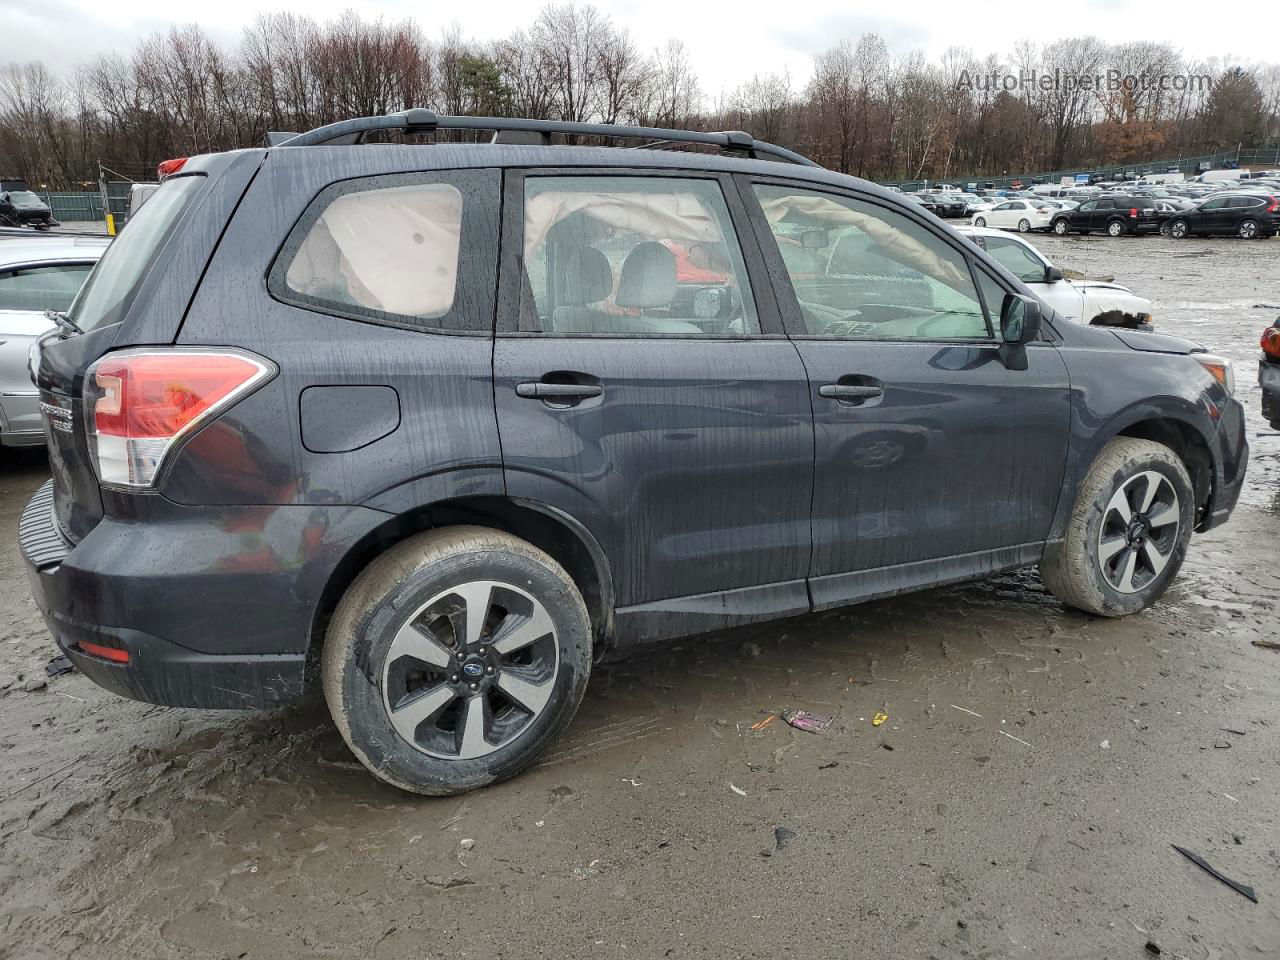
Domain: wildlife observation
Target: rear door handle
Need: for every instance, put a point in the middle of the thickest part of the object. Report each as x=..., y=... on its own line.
x=849, y=391
x=558, y=391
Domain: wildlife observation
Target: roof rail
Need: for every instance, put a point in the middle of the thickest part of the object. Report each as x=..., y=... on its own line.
x=519, y=130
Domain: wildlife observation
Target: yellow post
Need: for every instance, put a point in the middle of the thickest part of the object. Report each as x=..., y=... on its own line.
x=111, y=224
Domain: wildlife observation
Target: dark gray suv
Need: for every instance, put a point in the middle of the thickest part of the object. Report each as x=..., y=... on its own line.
x=449, y=422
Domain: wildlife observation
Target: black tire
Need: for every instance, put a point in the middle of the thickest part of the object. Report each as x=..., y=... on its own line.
x=979, y=221
x=389, y=594
x=1024, y=225
x=1248, y=229
x=1074, y=569
x=1061, y=227
x=1178, y=229
x=1116, y=228
x=1164, y=229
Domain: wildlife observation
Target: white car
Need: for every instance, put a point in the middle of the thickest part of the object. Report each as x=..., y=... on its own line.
x=1021, y=215
x=38, y=272
x=1081, y=300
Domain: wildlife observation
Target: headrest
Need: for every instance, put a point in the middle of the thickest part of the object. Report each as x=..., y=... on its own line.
x=648, y=277
x=588, y=278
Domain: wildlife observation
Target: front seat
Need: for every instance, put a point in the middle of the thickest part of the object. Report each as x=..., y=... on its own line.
x=587, y=278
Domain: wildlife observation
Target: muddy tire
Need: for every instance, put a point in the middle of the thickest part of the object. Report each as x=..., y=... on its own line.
x=1128, y=532
x=455, y=659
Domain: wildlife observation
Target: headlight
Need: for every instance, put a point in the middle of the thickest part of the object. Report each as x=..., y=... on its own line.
x=1220, y=369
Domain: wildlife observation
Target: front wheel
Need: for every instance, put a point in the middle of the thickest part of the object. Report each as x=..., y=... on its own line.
x=455, y=659
x=1115, y=229
x=1248, y=230
x=1024, y=225
x=1061, y=228
x=979, y=221
x=1128, y=532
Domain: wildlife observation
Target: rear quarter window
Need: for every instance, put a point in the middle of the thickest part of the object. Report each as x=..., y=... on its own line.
x=389, y=250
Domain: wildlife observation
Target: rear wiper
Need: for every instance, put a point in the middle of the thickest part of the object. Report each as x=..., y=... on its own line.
x=64, y=322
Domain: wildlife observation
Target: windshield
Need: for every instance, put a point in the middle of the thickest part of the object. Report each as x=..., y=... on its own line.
x=109, y=289
x=25, y=200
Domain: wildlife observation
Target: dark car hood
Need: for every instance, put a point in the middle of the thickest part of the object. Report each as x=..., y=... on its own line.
x=1156, y=342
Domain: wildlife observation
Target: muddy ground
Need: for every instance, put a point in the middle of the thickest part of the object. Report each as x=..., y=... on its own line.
x=1020, y=801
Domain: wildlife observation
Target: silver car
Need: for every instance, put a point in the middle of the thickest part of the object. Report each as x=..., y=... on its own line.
x=37, y=273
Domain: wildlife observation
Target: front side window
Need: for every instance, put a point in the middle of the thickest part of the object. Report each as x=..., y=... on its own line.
x=42, y=288
x=389, y=252
x=863, y=271
x=1017, y=259
x=620, y=256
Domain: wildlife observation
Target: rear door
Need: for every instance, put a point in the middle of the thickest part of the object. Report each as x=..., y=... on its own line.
x=646, y=389
x=933, y=458
x=1101, y=213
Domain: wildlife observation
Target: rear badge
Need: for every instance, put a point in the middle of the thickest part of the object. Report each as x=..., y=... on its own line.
x=58, y=417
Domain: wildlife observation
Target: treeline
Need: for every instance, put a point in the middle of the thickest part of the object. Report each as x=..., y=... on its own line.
x=865, y=109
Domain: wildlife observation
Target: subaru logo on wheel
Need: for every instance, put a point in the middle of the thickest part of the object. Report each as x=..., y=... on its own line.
x=473, y=669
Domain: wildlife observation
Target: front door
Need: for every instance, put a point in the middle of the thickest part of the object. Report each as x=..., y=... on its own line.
x=646, y=389
x=934, y=460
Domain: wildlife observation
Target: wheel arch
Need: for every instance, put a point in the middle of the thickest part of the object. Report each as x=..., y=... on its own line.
x=1173, y=428
x=562, y=537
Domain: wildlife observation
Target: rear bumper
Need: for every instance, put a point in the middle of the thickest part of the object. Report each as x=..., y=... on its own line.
x=215, y=607
x=1269, y=380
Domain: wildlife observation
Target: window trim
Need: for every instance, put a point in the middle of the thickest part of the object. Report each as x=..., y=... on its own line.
x=511, y=258
x=476, y=275
x=789, y=302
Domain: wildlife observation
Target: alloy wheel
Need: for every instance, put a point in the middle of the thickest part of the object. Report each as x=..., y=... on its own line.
x=980, y=222
x=1139, y=532
x=470, y=670
x=1248, y=230
x=1024, y=226
x=1178, y=230
x=1060, y=228
x=1115, y=229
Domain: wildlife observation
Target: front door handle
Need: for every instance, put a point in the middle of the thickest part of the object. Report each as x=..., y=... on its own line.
x=850, y=392
x=558, y=391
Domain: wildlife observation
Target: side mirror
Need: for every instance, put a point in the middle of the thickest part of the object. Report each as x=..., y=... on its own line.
x=1019, y=319
x=1052, y=275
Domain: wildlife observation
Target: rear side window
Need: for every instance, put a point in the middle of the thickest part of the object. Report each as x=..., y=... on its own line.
x=620, y=256
x=389, y=250
x=109, y=290
x=42, y=288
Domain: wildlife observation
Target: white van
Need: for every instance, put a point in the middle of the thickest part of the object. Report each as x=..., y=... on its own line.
x=1213, y=176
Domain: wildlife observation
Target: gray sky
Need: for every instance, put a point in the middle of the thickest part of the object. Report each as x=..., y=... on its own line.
x=727, y=41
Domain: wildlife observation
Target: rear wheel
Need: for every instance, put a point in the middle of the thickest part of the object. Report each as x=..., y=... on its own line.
x=1116, y=228
x=1248, y=229
x=1024, y=225
x=455, y=658
x=1128, y=533
x=1164, y=229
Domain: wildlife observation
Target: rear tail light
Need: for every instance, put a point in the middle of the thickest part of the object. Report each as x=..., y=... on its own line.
x=114, y=654
x=166, y=167
x=141, y=403
x=1133, y=211
x=1274, y=205
x=1271, y=342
